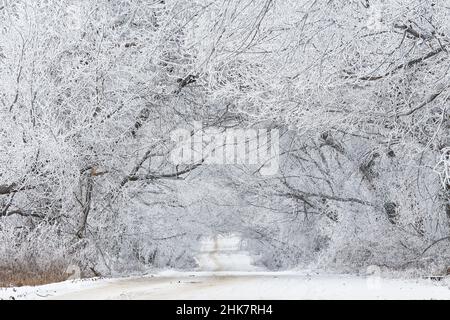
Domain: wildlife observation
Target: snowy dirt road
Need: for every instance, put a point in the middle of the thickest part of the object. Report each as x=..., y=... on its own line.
x=227, y=272
x=260, y=286
x=236, y=285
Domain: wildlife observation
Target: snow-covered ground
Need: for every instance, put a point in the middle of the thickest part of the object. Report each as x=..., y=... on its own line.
x=218, y=260
x=236, y=285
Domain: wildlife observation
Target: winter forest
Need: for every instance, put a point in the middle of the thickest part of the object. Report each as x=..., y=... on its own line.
x=91, y=93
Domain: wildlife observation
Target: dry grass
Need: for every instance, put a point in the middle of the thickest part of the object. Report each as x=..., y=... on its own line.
x=17, y=277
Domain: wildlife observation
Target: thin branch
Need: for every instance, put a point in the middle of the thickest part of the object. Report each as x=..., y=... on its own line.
x=409, y=64
x=435, y=242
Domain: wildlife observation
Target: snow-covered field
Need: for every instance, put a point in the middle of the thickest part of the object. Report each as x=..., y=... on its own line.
x=219, y=258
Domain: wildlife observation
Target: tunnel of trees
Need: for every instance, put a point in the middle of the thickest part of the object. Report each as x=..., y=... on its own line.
x=90, y=92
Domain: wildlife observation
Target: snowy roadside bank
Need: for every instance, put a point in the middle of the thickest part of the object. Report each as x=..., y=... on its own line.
x=236, y=285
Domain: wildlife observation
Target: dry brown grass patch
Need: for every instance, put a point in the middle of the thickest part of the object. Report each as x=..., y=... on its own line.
x=17, y=277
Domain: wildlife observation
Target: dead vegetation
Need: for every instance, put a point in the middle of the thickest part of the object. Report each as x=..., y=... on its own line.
x=25, y=276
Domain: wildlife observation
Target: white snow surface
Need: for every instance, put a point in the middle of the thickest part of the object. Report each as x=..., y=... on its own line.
x=237, y=285
x=219, y=259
